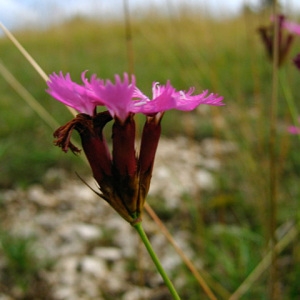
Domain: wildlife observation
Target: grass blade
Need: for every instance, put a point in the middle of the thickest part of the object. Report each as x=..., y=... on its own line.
x=265, y=263
x=29, y=99
x=24, y=52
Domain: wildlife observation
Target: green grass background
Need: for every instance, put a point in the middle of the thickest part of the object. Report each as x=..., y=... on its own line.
x=224, y=56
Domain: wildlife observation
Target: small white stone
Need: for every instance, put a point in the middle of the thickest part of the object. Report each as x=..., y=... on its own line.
x=108, y=253
x=205, y=180
x=79, y=232
x=5, y=297
x=94, y=266
x=137, y=293
x=87, y=232
x=63, y=292
x=211, y=164
x=124, y=236
x=38, y=195
x=214, y=148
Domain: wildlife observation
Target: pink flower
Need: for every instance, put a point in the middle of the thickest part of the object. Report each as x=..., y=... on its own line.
x=165, y=97
x=116, y=97
x=292, y=27
x=124, y=174
x=79, y=97
x=123, y=98
x=294, y=130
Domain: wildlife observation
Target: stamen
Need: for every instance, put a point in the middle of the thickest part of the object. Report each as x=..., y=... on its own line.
x=182, y=95
x=141, y=103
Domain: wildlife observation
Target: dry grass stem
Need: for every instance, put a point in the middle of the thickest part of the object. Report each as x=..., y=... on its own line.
x=29, y=99
x=186, y=260
x=29, y=58
x=24, y=52
x=265, y=263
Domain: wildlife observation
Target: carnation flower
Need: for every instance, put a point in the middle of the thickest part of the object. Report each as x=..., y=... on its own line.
x=123, y=175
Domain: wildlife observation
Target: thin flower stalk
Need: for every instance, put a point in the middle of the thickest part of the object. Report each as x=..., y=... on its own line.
x=139, y=228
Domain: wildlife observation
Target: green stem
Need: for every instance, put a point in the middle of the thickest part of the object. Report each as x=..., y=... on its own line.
x=160, y=269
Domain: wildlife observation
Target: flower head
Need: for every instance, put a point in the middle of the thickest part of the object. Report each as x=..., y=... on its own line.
x=124, y=174
x=79, y=97
x=284, y=42
x=165, y=97
x=292, y=27
x=116, y=97
x=294, y=129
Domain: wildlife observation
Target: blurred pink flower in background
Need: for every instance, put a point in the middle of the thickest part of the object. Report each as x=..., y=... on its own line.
x=292, y=27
